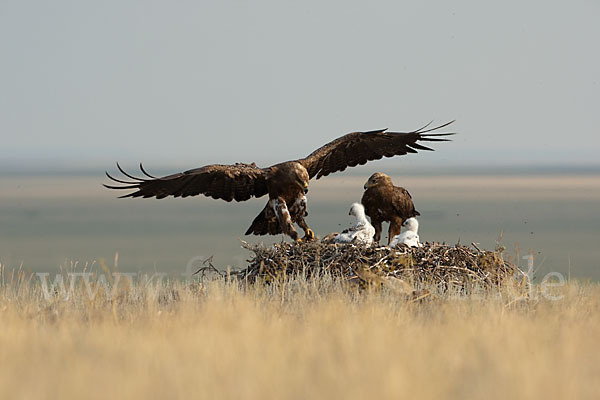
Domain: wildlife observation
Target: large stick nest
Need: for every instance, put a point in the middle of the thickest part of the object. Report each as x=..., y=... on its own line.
x=432, y=264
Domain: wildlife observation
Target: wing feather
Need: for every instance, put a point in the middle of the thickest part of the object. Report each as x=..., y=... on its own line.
x=358, y=148
x=237, y=182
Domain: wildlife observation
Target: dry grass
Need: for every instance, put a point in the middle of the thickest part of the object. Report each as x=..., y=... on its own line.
x=302, y=339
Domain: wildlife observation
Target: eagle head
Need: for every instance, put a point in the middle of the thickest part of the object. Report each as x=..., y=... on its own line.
x=300, y=176
x=376, y=179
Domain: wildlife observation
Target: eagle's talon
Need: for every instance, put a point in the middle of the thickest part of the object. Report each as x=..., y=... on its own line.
x=308, y=235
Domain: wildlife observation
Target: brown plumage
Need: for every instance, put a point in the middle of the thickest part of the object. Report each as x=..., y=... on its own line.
x=385, y=202
x=285, y=183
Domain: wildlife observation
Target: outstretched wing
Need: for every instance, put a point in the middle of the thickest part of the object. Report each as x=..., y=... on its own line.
x=359, y=147
x=237, y=182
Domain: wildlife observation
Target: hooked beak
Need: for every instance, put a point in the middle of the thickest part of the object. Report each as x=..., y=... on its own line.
x=304, y=186
x=366, y=186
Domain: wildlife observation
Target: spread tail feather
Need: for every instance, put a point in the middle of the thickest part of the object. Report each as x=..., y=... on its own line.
x=263, y=225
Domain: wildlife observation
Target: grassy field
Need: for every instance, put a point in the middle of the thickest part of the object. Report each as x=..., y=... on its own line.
x=298, y=340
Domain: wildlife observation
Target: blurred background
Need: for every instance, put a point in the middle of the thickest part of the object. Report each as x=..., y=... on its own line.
x=178, y=85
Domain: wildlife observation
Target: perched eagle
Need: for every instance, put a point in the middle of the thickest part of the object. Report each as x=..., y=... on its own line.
x=285, y=183
x=385, y=202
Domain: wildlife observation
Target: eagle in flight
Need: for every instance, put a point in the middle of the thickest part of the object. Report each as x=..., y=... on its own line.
x=285, y=183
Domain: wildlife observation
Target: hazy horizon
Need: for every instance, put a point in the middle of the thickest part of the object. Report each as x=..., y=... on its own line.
x=392, y=167
x=46, y=222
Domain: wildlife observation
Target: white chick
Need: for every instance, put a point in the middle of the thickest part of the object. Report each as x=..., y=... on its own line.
x=361, y=232
x=409, y=237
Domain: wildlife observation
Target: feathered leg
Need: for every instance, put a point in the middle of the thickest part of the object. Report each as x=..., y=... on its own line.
x=377, y=225
x=299, y=210
x=283, y=216
x=395, y=228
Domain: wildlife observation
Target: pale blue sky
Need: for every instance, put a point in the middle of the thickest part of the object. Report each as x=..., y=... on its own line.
x=86, y=83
